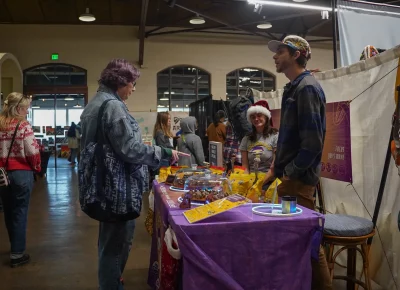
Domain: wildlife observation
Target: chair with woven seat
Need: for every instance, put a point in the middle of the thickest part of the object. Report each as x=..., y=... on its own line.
x=351, y=233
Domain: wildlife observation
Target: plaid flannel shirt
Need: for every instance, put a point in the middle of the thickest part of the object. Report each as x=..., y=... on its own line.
x=302, y=130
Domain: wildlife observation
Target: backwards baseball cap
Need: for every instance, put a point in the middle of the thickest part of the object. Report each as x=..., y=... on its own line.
x=293, y=41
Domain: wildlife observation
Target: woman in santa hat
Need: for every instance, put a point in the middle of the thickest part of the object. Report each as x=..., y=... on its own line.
x=258, y=147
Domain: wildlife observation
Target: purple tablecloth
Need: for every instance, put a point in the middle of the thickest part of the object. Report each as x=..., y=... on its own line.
x=238, y=250
x=165, y=203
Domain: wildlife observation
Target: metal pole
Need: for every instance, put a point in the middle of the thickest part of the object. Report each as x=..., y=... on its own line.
x=384, y=175
x=334, y=33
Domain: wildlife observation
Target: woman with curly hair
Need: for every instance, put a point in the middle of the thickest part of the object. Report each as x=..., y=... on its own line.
x=19, y=157
x=117, y=83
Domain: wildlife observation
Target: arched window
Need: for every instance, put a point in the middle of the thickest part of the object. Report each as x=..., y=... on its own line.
x=55, y=74
x=239, y=80
x=179, y=86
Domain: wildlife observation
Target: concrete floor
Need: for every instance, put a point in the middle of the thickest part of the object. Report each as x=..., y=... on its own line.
x=62, y=242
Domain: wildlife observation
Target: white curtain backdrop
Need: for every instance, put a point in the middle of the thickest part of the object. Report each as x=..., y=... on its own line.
x=370, y=125
x=362, y=24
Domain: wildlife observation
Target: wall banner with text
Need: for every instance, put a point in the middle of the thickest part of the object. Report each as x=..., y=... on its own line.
x=336, y=156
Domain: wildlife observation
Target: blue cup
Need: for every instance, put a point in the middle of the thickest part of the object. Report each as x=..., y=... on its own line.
x=289, y=204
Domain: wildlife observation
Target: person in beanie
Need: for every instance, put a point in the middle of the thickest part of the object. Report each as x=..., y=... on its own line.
x=259, y=146
x=301, y=134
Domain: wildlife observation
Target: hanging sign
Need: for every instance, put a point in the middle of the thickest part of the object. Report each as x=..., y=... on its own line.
x=336, y=156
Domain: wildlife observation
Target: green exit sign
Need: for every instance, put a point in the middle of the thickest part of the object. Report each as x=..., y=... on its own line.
x=54, y=56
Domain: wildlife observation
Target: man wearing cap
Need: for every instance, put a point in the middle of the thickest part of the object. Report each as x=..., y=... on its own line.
x=301, y=134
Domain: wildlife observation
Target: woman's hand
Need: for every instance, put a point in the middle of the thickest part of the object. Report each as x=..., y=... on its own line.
x=174, y=157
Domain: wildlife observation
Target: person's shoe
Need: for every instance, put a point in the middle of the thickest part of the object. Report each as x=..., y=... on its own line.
x=25, y=259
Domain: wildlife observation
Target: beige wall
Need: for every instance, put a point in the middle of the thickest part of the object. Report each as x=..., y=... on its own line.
x=10, y=70
x=91, y=47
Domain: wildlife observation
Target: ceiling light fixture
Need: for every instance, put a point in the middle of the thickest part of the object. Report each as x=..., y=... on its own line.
x=196, y=20
x=35, y=106
x=290, y=5
x=300, y=1
x=164, y=99
x=87, y=16
x=265, y=25
x=69, y=99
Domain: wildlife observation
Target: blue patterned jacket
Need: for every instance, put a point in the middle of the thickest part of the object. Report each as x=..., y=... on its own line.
x=121, y=130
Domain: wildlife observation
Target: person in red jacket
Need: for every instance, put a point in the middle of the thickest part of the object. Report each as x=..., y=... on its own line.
x=20, y=161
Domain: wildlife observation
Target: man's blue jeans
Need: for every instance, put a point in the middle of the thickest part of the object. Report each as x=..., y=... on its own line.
x=115, y=242
x=15, y=199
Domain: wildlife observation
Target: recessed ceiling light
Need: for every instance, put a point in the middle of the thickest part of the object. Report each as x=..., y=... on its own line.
x=197, y=20
x=300, y=1
x=69, y=99
x=164, y=99
x=265, y=25
x=87, y=16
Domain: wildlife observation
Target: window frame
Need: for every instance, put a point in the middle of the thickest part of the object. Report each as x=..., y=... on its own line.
x=170, y=84
x=265, y=76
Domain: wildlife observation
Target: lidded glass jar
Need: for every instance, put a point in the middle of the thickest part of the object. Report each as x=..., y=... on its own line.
x=208, y=186
x=183, y=174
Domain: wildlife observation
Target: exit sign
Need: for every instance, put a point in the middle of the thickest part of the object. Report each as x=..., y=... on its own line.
x=54, y=56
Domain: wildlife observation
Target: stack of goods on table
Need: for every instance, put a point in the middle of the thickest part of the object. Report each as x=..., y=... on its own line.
x=183, y=174
x=250, y=185
x=205, y=188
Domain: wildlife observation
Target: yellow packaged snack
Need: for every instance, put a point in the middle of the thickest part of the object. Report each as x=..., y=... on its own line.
x=241, y=183
x=269, y=193
x=238, y=170
x=255, y=190
x=217, y=170
x=164, y=172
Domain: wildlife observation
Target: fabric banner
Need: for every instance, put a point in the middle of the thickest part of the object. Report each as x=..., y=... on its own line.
x=370, y=87
x=362, y=24
x=336, y=156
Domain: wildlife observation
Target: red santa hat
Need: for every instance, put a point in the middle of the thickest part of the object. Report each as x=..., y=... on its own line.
x=259, y=107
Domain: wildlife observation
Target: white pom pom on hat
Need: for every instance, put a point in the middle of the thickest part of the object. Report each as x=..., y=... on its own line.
x=261, y=107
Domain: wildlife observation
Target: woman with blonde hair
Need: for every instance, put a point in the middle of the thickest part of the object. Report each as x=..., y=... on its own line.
x=162, y=133
x=19, y=156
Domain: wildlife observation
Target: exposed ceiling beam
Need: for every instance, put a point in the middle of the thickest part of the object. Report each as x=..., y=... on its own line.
x=41, y=10
x=284, y=17
x=318, y=25
x=8, y=10
x=148, y=33
x=319, y=40
x=185, y=30
x=142, y=30
x=110, y=10
x=220, y=21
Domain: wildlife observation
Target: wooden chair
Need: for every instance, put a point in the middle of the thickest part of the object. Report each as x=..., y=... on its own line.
x=353, y=242
x=349, y=233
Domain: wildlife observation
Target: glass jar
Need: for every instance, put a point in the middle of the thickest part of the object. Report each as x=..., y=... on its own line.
x=183, y=174
x=207, y=187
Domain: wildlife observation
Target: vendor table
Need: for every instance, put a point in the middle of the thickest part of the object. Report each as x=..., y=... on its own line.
x=237, y=249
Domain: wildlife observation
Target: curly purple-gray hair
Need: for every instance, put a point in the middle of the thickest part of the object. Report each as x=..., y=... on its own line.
x=118, y=73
